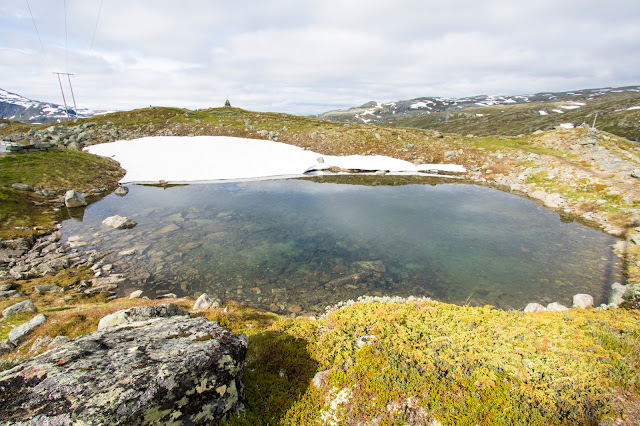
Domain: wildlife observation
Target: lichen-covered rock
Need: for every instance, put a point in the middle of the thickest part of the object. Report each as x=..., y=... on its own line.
x=141, y=313
x=556, y=307
x=24, y=306
x=176, y=370
x=617, y=291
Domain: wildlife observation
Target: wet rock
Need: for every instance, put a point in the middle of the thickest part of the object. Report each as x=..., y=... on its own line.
x=556, y=307
x=206, y=302
x=534, y=308
x=119, y=222
x=176, y=370
x=18, y=334
x=24, y=306
x=141, y=313
x=121, y=191
x=583, y=301
x=74, y=199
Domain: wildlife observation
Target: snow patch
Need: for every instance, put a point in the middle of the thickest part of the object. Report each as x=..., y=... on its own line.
x=543, y=112
x=207, y=158
x=569, y=106
x=567, y=125
x=632, y=108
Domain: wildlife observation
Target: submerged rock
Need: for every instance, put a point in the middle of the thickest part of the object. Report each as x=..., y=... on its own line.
x=119, y=222
x=175, y=370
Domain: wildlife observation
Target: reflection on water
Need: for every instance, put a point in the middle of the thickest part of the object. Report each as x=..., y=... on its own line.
x=297, y=245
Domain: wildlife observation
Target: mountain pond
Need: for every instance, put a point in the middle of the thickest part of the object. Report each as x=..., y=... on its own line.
x=299, y=245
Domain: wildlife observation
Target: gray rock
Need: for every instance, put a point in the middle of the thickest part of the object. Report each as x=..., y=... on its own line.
x=556, y=307
x=74, y=199
x=119, y=222
x=175, y=370
x=18, y=334
x=75, y=145
x=8, y=293
x=141, y=313
x=21, y=187
x=635, y=173
x=206, y=302
x=365, y=340
x=135, y=294
x=534, y=308
x=48, y=288
x=617, y=291
x=24, y=306
x=121, y=191
x=5, y=287
x=583, y=301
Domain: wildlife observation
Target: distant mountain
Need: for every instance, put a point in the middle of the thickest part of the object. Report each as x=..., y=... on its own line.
x=18, y=108
x=618, y=111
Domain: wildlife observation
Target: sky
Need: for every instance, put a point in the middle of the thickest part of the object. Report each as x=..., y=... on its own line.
x=307, y=57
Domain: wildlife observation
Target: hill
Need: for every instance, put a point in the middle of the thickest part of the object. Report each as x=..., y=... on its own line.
x=617, y=109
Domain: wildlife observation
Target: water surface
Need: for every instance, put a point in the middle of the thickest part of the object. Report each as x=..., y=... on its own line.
x=299, y=245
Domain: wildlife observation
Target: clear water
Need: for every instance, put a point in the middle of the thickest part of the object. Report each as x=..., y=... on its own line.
x=299, y=245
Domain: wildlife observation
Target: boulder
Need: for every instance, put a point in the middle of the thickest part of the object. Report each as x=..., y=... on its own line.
x=18, y=334
x=141, y=313
x=206, y=302
x=176, y=370
x=119, y=222
x=556, y=307
x=74, y=199
x=583, y=301
x=47, y=288
x=135, y=294
x=24, y=306
x=534, y=308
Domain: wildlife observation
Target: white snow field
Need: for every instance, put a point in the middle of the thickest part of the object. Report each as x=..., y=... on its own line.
x=210, y=158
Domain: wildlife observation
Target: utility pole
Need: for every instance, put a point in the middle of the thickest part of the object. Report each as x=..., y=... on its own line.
x=63, y=97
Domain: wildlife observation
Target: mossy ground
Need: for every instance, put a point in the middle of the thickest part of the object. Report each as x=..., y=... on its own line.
x=21, y=211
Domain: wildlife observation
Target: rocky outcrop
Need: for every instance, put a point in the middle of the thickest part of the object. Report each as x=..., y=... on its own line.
x=176, y=370
x=140, y=313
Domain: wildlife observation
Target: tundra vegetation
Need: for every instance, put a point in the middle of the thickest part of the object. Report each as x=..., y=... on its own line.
x=378, y=361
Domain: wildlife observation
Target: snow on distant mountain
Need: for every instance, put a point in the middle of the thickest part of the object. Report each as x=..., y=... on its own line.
x=376, y=112
x=18, y=108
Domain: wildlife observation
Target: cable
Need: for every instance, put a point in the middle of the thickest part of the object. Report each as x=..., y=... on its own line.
x=96, y=28
x=38, y=33
x=66, y=36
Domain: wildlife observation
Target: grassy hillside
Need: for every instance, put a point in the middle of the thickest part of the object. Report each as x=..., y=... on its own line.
x=614, y=116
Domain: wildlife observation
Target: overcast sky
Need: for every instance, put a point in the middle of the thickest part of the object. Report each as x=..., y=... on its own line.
x=307, y=57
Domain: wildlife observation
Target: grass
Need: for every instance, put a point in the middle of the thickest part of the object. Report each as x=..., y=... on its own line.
x=58, y=170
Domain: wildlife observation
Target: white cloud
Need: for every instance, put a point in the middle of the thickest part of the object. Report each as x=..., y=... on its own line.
x=307, y=57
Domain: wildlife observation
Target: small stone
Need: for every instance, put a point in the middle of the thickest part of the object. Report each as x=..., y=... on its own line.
x=320, y=378
x=206, y=302
x=74, y=199
x=365, y=340
x=121, y=191
x=24, y=306
x=556, y=307
x=21, y=187
x=534, y=308
x=635, y=173
x=583, y=301
x=129, y=252
x=119, y=222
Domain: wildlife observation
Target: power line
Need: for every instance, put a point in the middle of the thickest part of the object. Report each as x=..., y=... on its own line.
x=96, y=28
x=66, y=36
x=38, y=33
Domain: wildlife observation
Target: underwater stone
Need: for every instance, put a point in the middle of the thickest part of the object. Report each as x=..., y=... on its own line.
x=119, y=222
